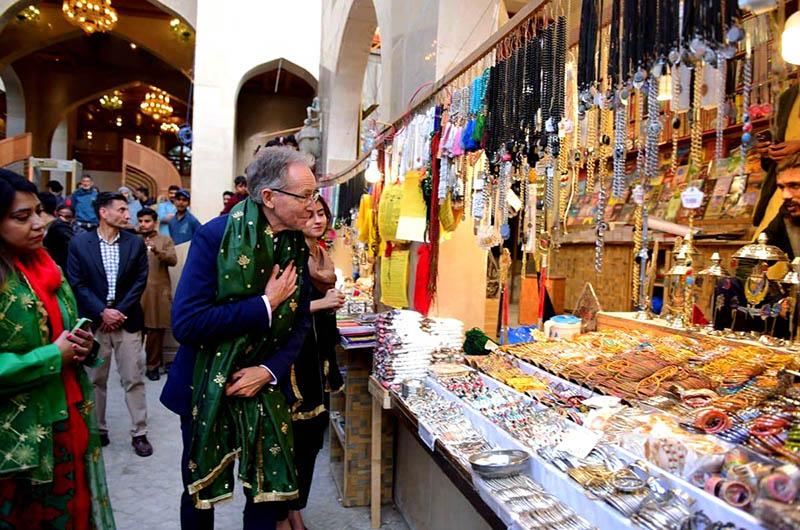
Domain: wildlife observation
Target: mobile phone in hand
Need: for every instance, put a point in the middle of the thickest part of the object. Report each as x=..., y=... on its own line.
x=84, y=323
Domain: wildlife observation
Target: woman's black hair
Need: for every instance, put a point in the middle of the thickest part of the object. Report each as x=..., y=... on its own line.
x=328, y=214
x=10, y=184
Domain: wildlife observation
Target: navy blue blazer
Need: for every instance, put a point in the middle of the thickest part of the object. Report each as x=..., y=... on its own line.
x=87, y=276
x=197, y=318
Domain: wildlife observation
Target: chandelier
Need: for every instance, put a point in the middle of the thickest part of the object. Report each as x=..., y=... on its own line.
x=181, y=29
x=111, y=101
x=29, y=14
x=90, y=15
x=156, y=104
x=170, y=127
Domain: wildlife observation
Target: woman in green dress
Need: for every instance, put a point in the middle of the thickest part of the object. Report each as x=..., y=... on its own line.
x=51, y=467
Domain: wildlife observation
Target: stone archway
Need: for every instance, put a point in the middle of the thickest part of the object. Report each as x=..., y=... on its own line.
x=284, y=64
x=185, y=9
x=150, y=32
x=272, y=97
x=102, y=63
x=343, y=81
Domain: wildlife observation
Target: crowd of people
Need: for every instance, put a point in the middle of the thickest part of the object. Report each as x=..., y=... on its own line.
x=254, y=313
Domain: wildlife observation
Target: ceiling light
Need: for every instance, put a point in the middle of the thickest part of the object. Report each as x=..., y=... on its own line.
x=29, y=14
x=180, y=28
x=138, y=139
x=665, y=88
x=170, y=128
x=790, y=40
x=90, y=15
x=89, y=135
x=111, y=101
x=156, y=104
x=373, y=174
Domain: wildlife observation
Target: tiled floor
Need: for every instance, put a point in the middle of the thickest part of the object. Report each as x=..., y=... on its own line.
x=145, y=491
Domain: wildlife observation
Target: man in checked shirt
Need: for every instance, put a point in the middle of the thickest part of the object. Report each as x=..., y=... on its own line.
x=107, y=270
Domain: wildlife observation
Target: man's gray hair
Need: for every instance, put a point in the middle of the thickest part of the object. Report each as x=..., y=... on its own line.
x=270, y=167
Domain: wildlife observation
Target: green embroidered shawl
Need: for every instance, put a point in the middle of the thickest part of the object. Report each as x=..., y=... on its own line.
x=257, y=429
x=32, y=397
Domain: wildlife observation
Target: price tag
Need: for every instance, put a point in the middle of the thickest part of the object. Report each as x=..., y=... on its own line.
x=579, y=444
x=477, y=184
x=490, y=345
x=692, y=198
x=638, y=194
x=425, y=434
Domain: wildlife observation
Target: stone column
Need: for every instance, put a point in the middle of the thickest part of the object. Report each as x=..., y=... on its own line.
x=233, y=41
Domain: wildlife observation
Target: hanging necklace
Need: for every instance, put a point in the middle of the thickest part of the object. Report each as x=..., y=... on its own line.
x=747, y=126
x=722, y=69
x=696, y=155
x=676, y=121
x=620, y=143
x=606, y=119
x=587, y=47
x=591, y=148
x=547, y=100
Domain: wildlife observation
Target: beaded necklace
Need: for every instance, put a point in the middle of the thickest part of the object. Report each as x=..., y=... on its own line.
x=747, y=126
x=676, y=121
x=620, y=141
x=587, y=45
x=696, y=153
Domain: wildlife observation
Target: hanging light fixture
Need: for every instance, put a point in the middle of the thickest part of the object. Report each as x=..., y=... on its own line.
x=111, y=101
x=665, y=87
x=170, y=128
x=29, y=14
x=181, y=29
x=156, y=104
x=790, y=40
x=90, y=15
x=373, y=174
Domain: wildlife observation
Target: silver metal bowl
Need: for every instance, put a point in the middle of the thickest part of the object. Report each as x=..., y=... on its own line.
x=499, y=462
x=412, y=387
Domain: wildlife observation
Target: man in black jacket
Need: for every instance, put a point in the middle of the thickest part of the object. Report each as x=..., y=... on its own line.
x=59, y=234
x=107, y=269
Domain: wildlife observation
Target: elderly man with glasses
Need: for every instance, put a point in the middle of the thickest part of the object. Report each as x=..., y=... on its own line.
x=241, y=313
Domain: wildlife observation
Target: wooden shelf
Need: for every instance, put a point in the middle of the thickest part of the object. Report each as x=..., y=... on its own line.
x=336, y=427
x=350, y=442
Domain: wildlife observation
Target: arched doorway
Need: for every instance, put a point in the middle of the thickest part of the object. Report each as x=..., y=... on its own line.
x=272, y=101
x=344, y=105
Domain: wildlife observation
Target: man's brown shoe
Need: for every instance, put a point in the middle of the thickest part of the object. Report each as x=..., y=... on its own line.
x=141, y=446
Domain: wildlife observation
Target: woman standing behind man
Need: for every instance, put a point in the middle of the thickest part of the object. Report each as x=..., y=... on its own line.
x=51, y=468
x=316, y=370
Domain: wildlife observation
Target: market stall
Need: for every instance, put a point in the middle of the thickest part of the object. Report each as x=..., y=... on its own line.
x=700, y=428
x=644, y=154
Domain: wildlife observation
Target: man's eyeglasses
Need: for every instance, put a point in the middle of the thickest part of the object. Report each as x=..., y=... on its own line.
x=308, y=199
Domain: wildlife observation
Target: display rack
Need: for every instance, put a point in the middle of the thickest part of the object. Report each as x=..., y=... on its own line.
x=575, y=261
x=351, y=432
